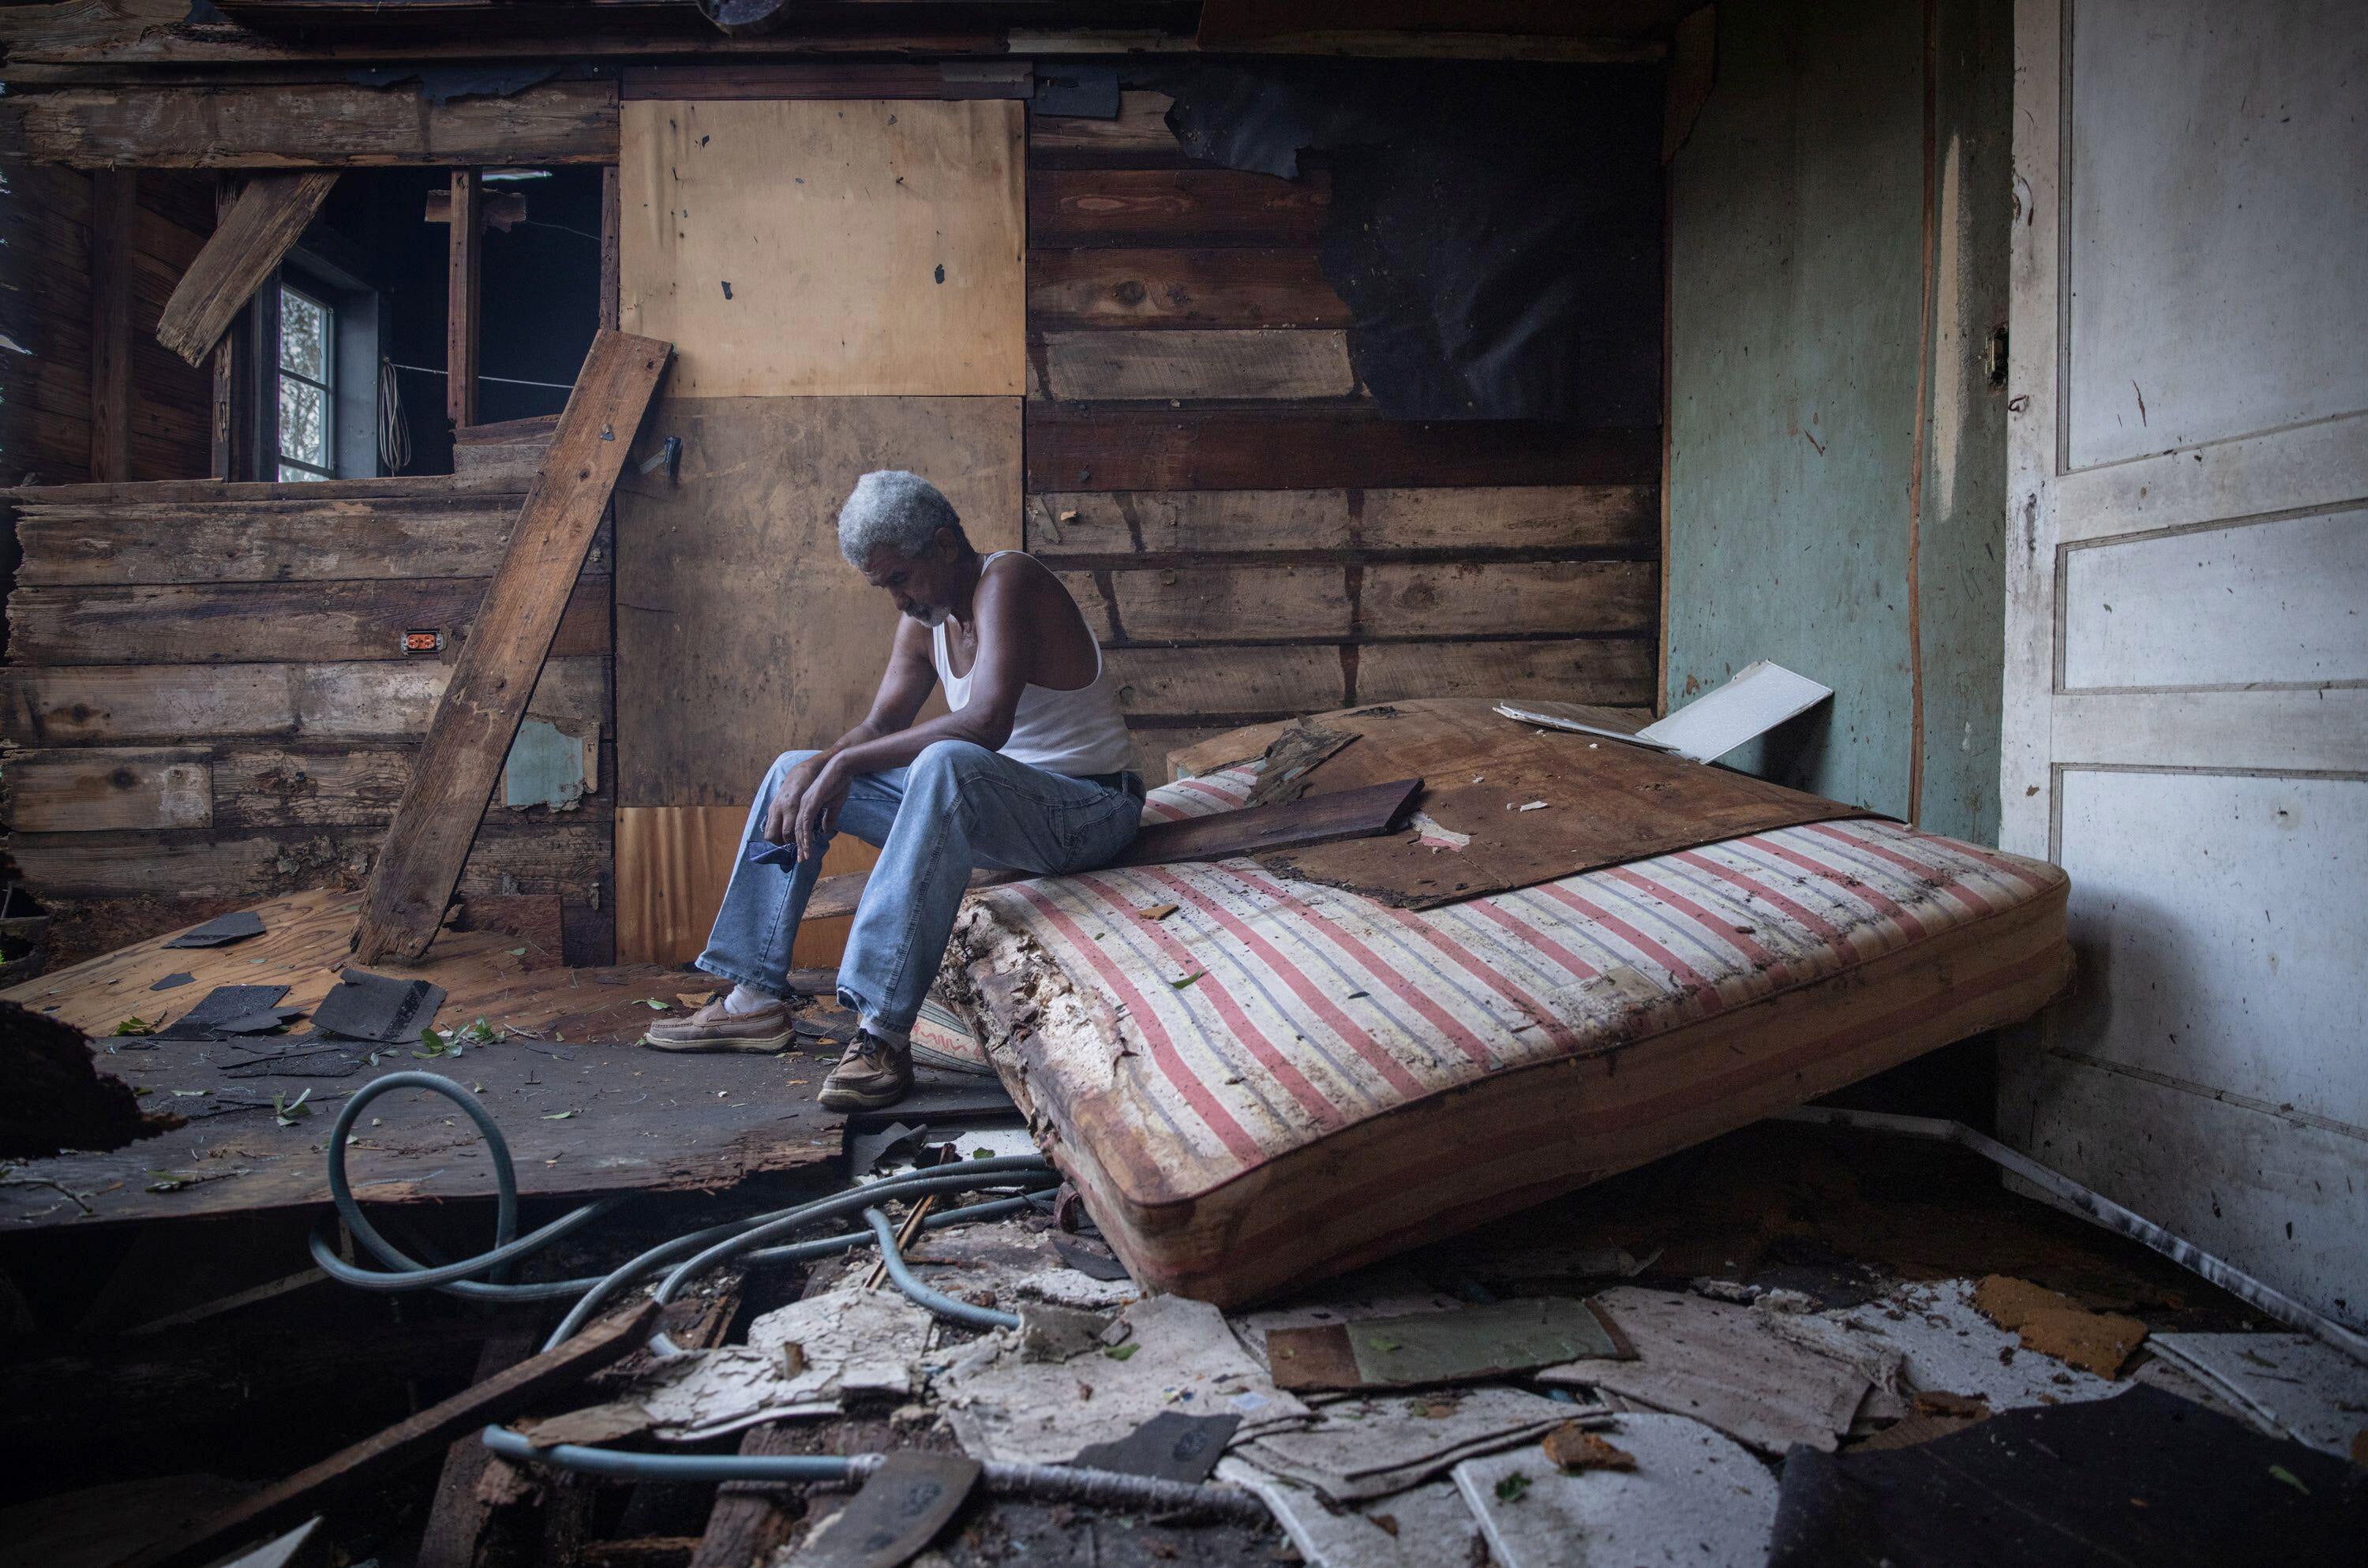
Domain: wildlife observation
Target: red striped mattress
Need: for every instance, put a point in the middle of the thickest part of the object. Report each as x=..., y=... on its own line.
x=1278, y=1080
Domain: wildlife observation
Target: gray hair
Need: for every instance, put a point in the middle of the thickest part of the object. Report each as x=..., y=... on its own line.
x=895, y=509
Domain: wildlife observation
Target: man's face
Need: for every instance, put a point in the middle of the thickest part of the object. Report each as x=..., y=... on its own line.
x=922, y=586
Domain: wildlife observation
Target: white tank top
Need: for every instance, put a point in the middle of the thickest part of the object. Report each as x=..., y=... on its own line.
x=1077, y=732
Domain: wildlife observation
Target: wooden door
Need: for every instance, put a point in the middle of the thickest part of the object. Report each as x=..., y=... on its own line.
x=2186, y=726
x=842, y=283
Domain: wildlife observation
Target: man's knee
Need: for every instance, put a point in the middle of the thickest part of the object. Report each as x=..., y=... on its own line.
x=951, y=759
x=786, y=761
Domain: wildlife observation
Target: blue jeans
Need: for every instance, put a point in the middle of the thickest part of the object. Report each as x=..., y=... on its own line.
x=957, y=807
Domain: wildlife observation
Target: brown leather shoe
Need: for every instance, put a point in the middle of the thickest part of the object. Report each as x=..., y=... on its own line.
x=870, y=1073
x=711, y=1028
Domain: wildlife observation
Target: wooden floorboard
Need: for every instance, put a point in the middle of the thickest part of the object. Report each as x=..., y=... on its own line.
x=585, y=1110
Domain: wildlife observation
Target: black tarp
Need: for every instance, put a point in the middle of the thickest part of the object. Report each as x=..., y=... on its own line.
x=1495, y=228
x=2143, y=1478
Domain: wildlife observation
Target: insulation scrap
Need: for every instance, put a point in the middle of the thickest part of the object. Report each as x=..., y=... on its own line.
x=1360, y=1448
x=2054, y=1324
x=1179, y=1356
x=1572, y=1446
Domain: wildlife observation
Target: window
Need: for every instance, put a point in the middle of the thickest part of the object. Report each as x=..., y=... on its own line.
x=308, y=336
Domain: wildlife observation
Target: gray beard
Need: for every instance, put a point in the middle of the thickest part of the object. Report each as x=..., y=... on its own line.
x=932, y=618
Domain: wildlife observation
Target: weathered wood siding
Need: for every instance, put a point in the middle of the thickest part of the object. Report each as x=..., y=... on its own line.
x=1249, y=537
x=207, y=691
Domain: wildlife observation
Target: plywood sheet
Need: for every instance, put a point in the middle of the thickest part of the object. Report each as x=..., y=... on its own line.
x=741, y=633
x=828, y=248
x=1536, y=805
x=673, y=863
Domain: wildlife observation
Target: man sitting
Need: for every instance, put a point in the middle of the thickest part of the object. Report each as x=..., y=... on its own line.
x=1031, y=771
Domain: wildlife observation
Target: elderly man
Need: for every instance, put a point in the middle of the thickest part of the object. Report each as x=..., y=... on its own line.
x=1030, y=770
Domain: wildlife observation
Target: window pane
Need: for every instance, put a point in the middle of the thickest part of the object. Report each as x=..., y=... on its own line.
x=303, y=422
x=303, y=335
x=290, y=471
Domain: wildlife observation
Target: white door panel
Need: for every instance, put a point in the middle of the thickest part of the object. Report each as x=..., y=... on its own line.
x=2186, y=704
x=2283, y=602
x=2219, y=160
x=2220, y=921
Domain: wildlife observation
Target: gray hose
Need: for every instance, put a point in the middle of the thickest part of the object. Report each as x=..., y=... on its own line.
x=937, y=1302
x=2270, y=1301
x=1060, y=1482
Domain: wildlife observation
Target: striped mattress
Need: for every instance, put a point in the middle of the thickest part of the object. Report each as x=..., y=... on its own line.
x=1256, y=1080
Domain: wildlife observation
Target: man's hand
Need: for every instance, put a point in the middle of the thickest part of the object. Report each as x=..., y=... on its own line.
x=781, y=818
x=818, y=806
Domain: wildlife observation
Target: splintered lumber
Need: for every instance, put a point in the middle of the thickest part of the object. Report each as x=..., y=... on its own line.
x=263, y=223
x=478, y=717
x=497, y=1399
x=1220, y=836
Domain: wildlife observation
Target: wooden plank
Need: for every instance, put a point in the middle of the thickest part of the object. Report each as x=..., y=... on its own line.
x=306, y=126
x=612, y=239
x=1303, y=823
x=1193, y=363
x=1608, y=517
x=1214, y=603
x=1185, y=522
x=502, y=210
x=464, y=254
x=359, y=786
x=81, y=790
x=1508, y=598
x=1175, y=208
x=497, y=1399
x=262, y=224
x=236, y=623
x=570, y=858
x=263, y=541
x=741, y=633
x=1140, y=127
x=816, y=79
x=123, y=704
x=159, y=491
x=1071, y=448
x=672, y=865
x=1616, y=670
x=751, y=1522
x=828, y=249
x=457, y=1518
x=114, y=201
x=274, y=788
x=480, y=710
x=1197, y=681
x=1543, y=517
x=1083, y=289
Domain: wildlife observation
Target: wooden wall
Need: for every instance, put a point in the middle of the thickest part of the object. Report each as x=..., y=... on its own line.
x=208, y=692
x=47, y=310
x=1250, y=538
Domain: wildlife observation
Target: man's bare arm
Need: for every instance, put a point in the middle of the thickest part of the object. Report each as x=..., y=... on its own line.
x=904, y=685
x=1005, y=620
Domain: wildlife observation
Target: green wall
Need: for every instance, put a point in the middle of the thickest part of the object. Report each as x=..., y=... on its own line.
x=1797, y=342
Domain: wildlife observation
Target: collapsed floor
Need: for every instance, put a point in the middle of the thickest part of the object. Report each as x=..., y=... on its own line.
x=1784, y=1311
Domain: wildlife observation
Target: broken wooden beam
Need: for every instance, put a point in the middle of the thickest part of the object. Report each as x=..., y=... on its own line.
x=460, y=1517
x=478, y=716
x=303, y=125
x=503, y=209
x=1220, y=836
x=260, y=227
x=497, y=1399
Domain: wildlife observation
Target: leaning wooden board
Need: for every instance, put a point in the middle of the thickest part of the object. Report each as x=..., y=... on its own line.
x=479, y=714
x=585, y=1110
